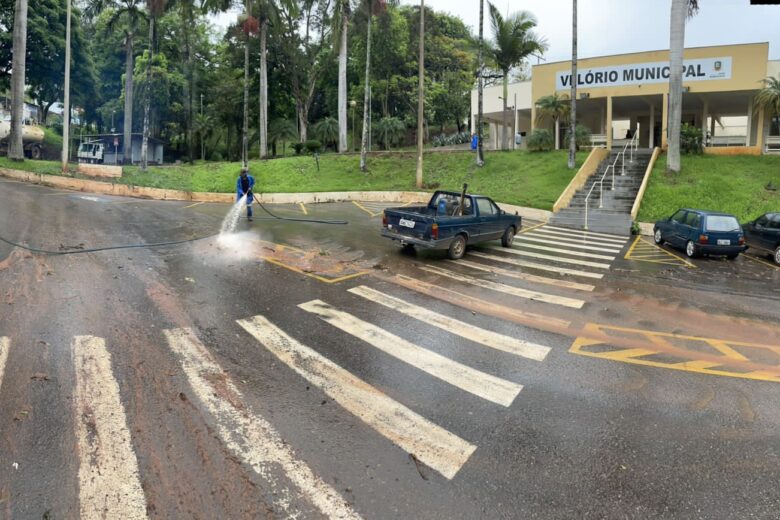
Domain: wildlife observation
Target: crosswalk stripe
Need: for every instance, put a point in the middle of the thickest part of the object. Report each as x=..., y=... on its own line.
x=506, y=289
x=563, y=251
x=109, y=482
x=524, y=276
x=568, y=243
x=249, y=436
x=533, y=265
x=578, y=238
x=431, y=444
x=549, y=257
x=486, y=386
x=587, y=233
x=5, y=346
x=487, y=338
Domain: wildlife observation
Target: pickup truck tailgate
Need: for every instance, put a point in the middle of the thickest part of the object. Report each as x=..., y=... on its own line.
x=409, y=222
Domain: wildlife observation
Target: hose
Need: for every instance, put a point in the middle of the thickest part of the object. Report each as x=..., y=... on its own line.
x=106, y=248
x=310, y=220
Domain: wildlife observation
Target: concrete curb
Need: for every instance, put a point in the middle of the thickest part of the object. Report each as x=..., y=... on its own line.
x=126, y=190
x=645, y=228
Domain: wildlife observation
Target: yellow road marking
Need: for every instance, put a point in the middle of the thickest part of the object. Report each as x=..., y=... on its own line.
x=526, y=230
x=311, y=275
x=723, y=349
x=371, y=213
x=643, y=251
x=193, y=205
x=303, y=208
x=750, y=257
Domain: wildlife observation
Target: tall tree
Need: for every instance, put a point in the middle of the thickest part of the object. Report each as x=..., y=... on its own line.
x=249, y=25
x=366, y=89
x=15, y=146
x=66, y=102
x=573, y=127
x=342, y=18
x=681, y=9
x=768, y=101
x=421, y=97
x=555, y=107
x=130, y=14
x=480, y=82
x=514, y=40
x=155, y=9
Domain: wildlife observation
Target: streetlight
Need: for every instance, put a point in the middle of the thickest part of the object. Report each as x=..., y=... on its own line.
x=353, y=104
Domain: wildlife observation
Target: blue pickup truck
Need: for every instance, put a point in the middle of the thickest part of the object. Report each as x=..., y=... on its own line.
x=450, y=221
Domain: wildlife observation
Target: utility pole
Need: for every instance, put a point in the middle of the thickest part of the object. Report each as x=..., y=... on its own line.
x=421, y=95
x=202, y=147
x=480, y=66
x=66, y=107
x=573, y=136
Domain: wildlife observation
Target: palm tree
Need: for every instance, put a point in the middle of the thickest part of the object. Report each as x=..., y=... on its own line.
x=768, y=100
x=390, y=130
x=66, y=100
x=267, y=14
x=155, y=9
x=480, y=83
x=681, y=9
x=131, y=13
x=341, y=16
x=556, y=107
x=366, y=89
x=202, y=126
x=327, y=131
x=283, y=130
x=15, y=145
x=420, y=97
x=572, y=142
x=514, y=41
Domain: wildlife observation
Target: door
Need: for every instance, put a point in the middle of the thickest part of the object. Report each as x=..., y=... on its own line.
x=773, y=232
x=757, y=232
x=675, y=230
x=691, y=228
x=489, y=219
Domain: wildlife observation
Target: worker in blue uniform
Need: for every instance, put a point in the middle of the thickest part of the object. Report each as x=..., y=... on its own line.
x=244, y=186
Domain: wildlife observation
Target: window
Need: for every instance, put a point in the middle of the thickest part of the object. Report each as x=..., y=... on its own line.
x=775, y=222
x=722, y=223
x=486, y=208
x=679, y=216
x=762, y=221
x=693, y=220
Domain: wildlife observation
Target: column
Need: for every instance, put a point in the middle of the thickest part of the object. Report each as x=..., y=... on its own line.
x=516, y=128
x=651, y=142
x=665, y=122
x=749, y=120
x=473, y=123
x=760, y=130
x=603, y=114
x=533, y=117
x=705, y=113
x=609, y=123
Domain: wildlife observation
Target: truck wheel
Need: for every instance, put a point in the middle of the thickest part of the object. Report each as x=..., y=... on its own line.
x=509, y=237
x=35, y=152
x=457, y=248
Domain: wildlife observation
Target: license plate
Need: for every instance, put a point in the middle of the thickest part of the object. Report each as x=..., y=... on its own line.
x=406, y=223
x=724, y=242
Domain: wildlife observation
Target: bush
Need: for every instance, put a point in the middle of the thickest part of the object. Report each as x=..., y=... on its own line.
x=582, y=136
x=691, y=139
x=541, y=140
x=298, y=147
x=312, y=146
x=450, y=140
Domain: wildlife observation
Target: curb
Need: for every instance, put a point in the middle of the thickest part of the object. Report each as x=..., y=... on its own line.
x=126, y=190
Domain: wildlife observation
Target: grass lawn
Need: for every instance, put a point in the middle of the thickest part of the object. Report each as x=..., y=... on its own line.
x=522, y=178
x=732, y=184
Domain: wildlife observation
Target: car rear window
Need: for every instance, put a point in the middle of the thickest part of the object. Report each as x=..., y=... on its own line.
x=722, y=223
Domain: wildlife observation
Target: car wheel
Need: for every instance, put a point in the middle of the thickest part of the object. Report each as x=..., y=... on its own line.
x=658, y=237
x=777, y=255
x=457, y=248
x=509, y=237
x=690, y=249
x=408, y=248
x=732, y=257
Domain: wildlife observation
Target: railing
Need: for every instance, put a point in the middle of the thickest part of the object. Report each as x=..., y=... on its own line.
x=773, y=144
x=630, y=146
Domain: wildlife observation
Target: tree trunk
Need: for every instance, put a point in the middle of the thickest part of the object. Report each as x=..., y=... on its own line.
x=573, y=127
x=189, y=48
x=147, y=98
x=15, y=145
x=676, y=46
x=245, y=130
x=421, y=97
x=366, y=104
x=66, y=100
x=480, y=84
x=343, y=145
x=504, y=144
x=127, y=139
x=557, y=134
x=303, y=118
x=263, y=91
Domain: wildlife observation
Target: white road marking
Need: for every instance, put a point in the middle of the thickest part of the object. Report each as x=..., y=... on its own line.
x=524, y=276
x=487, y=338
x=563, y=251
x=507, y=289
x=532, y=265
x=568, y=243
x=109, y=482
x=579, y=238
x=587, y=233
x=549, y=257
x=486, y=386
x=249, y=436
x=5, y=346
x=87, y=197
x=428, y=442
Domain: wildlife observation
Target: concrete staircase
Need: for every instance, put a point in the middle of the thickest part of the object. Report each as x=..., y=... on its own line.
x=615, y=214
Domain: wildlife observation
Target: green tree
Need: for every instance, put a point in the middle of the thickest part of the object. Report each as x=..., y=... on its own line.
x=768, y=101
x=282, y=131
x=155, y=9
x=680, y=11
x=555, y=107
x=390, y=131
x=15, y=147
x=514, y=41
x=327, y=131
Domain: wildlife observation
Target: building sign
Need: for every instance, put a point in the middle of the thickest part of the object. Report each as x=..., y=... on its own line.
x=702, y=69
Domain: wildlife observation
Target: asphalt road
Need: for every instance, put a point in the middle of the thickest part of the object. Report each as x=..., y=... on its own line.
x=300, y=370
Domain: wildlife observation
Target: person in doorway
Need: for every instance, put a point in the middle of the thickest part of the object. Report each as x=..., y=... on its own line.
x=244, y=186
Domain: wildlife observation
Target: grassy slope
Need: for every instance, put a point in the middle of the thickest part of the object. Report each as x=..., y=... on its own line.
x=733, y=184
x=50, y=167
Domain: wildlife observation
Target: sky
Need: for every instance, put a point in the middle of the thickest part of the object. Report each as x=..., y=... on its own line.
x=620, y=26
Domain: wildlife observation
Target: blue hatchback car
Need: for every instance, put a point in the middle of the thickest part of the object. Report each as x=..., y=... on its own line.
x=700, y=232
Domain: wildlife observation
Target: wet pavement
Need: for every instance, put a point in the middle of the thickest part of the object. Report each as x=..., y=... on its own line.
x=315, y=371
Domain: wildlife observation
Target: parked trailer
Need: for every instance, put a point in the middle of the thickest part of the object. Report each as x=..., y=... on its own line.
x=32, y=138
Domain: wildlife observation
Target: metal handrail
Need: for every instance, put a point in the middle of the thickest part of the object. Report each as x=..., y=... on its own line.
x=634, y=143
